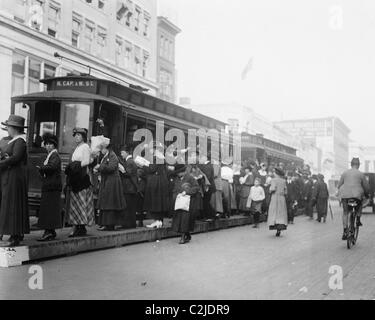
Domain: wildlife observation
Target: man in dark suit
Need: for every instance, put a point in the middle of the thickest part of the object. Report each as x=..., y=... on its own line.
x=207, y=168
x=307, y=194
x=292, y=197
x=320, y=198
x=130, y=186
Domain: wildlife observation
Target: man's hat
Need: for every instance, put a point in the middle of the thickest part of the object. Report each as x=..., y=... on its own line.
x=15, y=121
x=320, y=176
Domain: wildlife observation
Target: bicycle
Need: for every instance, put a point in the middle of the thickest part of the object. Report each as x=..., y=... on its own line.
x=353, y=230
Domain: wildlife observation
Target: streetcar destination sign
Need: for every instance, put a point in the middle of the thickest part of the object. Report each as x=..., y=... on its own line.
x=80, y=83
x=75, y=84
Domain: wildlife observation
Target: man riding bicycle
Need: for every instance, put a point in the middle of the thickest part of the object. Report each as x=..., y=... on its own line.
x=352, y=185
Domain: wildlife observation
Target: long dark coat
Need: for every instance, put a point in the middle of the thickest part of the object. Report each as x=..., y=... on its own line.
x=111, y=193
x=156, y=198
x=185, y=221
x=14, y=213
x=320, y=198
x=245, y=191
x=50, y=204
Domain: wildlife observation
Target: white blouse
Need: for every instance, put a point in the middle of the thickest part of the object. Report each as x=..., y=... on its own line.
x=227, y=174
x=257, y=193
x=83, y=154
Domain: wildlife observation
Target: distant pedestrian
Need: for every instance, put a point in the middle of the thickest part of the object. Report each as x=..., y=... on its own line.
x=217, y=196
x=246, y=182
x=130, y=187
x=50, y=217
x=255, y=201
x=292, y=197
x=320, y=198
x=277, y=212
x=229, y=202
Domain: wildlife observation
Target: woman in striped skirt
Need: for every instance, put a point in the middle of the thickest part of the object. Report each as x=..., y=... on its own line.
x=81, y=199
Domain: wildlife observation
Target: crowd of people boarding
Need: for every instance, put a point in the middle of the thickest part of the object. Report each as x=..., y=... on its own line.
x=129, y=190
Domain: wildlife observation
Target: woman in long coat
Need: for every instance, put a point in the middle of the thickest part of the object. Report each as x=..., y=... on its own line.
x=14, y=214
x=111, y=200
x=246, y=182
x=157, y=200
x=50, y=205
x=184, y=221
x=217, y=196
x=81, y=197
x=277, y=212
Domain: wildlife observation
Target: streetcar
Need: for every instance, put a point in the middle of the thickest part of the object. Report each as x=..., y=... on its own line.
x=80, y=101
x=258, y=148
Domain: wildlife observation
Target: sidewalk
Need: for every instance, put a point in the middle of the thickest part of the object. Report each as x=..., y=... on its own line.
x=32, y=250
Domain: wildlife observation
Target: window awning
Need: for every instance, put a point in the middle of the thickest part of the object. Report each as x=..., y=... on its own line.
x=63, y=95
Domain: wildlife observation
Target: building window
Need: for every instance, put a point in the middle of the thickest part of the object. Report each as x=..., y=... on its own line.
x=137, y=18
x=89, y=37
x=76, y=31
x=170, y=53
x=101, y=39
x=18, y=74
x=161, y=46
x=49, y=72
x=119, y=52
x=34, y=75
x=166, y=85
x=137, y=60
x=146, y=57
x=53, y=18
x=146, y=23
x=128, y=55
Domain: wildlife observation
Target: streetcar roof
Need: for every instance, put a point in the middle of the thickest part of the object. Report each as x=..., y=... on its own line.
x=63, y=95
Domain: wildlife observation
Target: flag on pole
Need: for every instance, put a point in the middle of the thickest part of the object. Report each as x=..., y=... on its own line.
x=247, y=68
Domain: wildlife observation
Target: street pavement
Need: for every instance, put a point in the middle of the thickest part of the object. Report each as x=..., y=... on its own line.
x=238, y=263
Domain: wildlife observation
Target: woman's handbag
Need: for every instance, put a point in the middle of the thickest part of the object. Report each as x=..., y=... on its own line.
x=182, y=202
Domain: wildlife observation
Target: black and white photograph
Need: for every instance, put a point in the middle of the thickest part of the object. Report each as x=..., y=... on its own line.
x=198, y=151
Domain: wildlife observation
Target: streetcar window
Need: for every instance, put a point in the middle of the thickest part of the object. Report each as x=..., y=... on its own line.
x=46, y=119
x=74, y=115
x=133, y=124
x=23, y=110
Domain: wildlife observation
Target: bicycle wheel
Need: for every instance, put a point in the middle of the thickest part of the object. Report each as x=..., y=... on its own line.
x=350, y=240
x=356, y=230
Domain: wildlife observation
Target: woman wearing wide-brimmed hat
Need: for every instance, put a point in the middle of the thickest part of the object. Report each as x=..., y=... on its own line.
x=14, y=214
x=277, y=211
x=111, y=200
x=50, y=217
x=81, y=198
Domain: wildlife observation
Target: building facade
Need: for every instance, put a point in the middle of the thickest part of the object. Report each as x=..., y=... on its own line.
x=114, y=36
x=241, y=118
x=368, y=165
x=166, y=68
x=330, y=135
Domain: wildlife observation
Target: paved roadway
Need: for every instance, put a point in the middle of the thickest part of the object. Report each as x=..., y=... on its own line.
x=239, y=263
